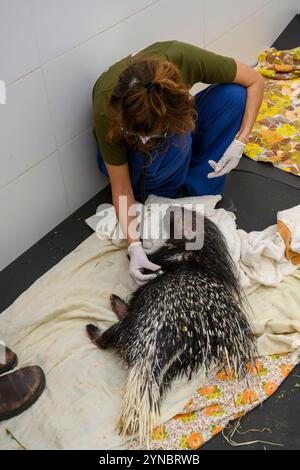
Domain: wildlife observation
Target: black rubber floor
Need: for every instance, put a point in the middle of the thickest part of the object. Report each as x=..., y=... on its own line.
x=259, y=191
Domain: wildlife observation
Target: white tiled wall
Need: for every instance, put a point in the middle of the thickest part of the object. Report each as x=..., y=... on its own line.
x=26, y=131
x=18, y=45
x=256, y=31
x=51, y=53
x=31, y=205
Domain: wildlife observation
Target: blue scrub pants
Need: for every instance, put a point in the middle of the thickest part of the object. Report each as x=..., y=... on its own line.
x=220, y=109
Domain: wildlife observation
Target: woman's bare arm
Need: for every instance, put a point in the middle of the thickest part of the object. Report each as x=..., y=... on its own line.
x=254, y=82
x=121, y=186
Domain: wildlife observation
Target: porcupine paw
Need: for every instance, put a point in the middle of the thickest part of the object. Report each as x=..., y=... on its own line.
x=94, y=334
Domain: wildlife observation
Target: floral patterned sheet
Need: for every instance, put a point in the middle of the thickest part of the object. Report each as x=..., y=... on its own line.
x=221, y=400
x=275, y=136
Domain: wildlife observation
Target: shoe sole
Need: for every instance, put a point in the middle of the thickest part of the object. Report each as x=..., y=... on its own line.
x=29, y=403
x=9, y=366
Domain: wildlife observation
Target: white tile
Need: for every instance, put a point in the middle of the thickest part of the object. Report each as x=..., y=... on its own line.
x=221, y=15
x=246, y=40
x=26, y=134
x=63, y=24
x=80, y=170
x=70, y=78
x=18, y=48
x=30, y=207
x=294, y=6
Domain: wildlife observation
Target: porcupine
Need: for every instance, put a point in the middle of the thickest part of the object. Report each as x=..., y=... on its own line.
x=190, y=316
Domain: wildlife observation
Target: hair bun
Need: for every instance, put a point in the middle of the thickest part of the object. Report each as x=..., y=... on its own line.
x=151, y=86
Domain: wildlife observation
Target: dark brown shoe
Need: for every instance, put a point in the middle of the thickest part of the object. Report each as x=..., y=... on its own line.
x=11, y=361
x=19, y=390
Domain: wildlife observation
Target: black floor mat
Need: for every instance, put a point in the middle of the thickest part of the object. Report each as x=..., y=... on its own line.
x=259, y=190
x=258, y=198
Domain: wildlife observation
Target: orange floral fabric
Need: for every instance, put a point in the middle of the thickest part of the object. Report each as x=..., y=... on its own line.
x=221, y=400
x=275, y=137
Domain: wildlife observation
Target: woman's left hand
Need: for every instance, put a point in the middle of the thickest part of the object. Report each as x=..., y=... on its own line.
x=229, y=161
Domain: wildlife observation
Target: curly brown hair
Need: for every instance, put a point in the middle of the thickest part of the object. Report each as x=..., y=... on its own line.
x=149, y=99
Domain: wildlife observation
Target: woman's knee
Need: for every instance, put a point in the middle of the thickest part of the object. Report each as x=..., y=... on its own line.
x=235, y=94
x=229, y=98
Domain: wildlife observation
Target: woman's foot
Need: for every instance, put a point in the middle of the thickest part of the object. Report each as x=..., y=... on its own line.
x=19, y=390
x=10, y=361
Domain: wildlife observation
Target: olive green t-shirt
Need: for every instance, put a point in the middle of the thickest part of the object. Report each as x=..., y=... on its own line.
x=195, y=64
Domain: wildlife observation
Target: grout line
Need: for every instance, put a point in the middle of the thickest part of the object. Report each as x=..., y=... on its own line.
x=101, y=32
x=78, y=134
x=238, y=23
x=64, y=180
x=57, y=150
x=36, y=69
x=59, y=146
x=28, y=169
x=35, y=32
x=43, y=64
x=41, y=68
x=56, y=141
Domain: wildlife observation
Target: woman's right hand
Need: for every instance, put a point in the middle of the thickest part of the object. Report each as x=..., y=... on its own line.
x=139, y=261
x=121, y=186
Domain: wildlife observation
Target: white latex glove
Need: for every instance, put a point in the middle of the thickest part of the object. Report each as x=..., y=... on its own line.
x=138, y=261
x=229, y=161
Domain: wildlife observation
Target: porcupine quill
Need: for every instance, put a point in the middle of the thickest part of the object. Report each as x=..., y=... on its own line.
x=190, y=317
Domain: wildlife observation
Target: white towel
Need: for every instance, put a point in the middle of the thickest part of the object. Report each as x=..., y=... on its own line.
x=260, y=256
